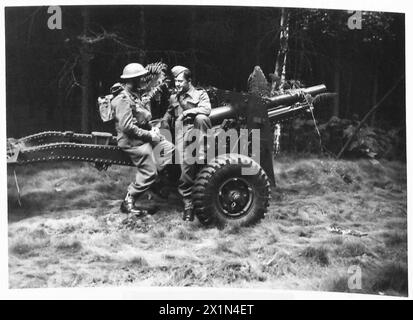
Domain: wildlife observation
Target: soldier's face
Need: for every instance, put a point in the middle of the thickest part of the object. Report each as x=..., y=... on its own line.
x=136, y=84
x=139, y=83
x=181, y=84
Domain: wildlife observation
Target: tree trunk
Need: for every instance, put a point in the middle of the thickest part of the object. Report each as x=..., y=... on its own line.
x=258, y=33
x=85, y=67
x=142, y=36
x=192, y=42
x=337, y=75
x=374, y=95
x=60, y=120
x=281, y=61
x=349, y=81
x=280, y=72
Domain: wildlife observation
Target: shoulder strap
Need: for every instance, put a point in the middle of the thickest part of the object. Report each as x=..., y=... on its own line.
x=117, y=88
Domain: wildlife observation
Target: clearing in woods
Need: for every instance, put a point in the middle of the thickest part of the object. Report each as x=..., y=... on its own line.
x=68, y=232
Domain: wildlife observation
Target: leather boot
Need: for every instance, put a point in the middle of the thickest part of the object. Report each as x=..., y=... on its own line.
x=128, y=207
x=127, y=204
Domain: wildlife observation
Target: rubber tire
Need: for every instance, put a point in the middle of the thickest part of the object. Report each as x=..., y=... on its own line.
x=215, y=173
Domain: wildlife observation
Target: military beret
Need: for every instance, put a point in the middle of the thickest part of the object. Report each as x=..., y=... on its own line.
x=178, y=70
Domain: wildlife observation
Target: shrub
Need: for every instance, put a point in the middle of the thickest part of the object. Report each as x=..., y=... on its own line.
x=352, y=249
x=391, y=278
x=319, y=255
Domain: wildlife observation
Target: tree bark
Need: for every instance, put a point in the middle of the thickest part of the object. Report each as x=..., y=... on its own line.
x=337, y=75
x=258, y=33
x=142, y=36
x=374, y=95
x=85, y=67
x=349, y=81
x=60, y=105
x=281, y=60
x=280, y=72
x=192, y=41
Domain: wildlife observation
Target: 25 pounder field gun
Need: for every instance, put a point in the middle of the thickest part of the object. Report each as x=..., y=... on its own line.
x=222, y=194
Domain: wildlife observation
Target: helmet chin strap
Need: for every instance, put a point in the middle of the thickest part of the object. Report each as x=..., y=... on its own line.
x=133, y=85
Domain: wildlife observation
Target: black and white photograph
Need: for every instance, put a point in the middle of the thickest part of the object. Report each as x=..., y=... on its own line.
x=206, y=146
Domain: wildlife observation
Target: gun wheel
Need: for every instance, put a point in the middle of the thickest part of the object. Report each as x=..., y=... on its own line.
x=222, y=195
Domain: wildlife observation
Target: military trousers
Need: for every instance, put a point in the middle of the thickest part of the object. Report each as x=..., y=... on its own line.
x=189, y=154
x=149, y=159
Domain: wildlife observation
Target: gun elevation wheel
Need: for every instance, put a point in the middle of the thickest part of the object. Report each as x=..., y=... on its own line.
x=222, y=195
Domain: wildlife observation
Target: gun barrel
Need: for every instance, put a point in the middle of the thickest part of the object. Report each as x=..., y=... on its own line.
x=285, y=112
x=294, y=96
x=219, y=114
x=278, y=107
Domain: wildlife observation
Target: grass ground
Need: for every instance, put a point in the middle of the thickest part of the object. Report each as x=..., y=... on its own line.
x=68, y=232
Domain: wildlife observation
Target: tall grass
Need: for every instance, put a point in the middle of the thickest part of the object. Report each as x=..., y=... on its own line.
x=69, y=232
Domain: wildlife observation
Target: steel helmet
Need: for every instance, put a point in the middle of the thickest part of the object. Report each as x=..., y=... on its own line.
x=133, y=70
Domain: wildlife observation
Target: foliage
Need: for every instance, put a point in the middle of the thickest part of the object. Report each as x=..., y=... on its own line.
x=221, y=45
x=299, y=135
x=333, y=23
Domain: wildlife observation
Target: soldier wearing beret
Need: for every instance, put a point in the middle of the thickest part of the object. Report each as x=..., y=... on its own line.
x=188, y=109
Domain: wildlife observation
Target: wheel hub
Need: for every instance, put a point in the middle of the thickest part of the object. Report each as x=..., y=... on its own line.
x=235, y=197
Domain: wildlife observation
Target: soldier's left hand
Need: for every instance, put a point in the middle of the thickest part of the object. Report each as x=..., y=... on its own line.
x=188, y=113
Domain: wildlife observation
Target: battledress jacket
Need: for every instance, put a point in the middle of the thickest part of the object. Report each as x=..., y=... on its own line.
x=132, y=120
x=195, y=99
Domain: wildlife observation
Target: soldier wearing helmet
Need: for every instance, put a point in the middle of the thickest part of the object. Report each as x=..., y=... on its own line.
x=136, y=136
x=188, y=110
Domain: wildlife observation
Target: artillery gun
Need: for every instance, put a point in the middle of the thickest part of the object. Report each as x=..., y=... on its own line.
x=222, y=194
